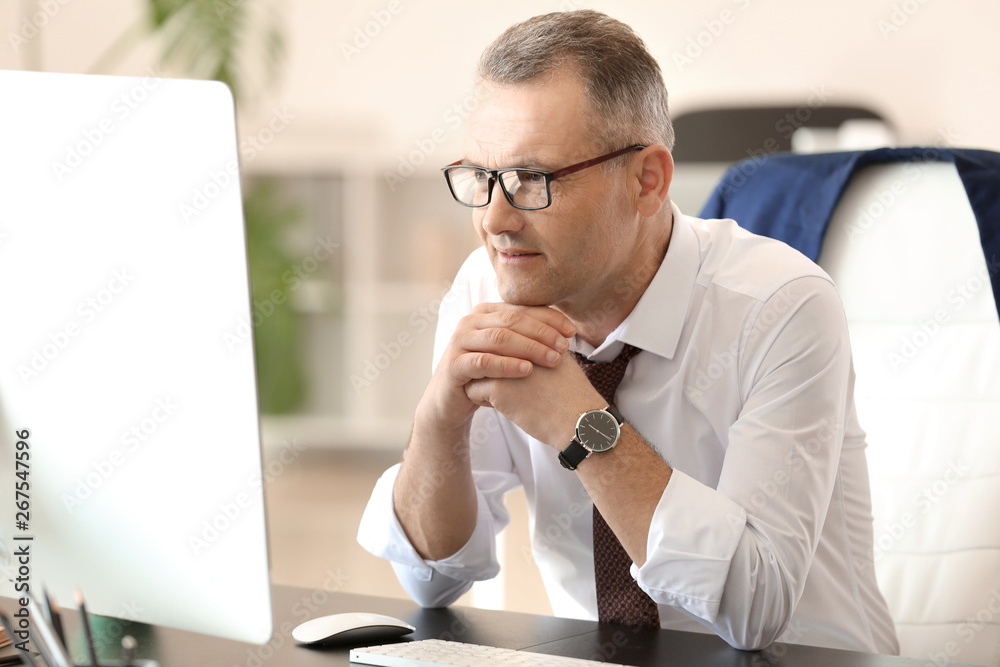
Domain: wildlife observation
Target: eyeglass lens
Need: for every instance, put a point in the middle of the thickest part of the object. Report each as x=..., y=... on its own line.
x=526, y=189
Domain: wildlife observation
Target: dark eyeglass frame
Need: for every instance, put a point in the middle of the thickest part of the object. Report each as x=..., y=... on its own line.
x=494, y=177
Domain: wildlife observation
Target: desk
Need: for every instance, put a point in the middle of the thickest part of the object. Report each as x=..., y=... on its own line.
x=542, y=634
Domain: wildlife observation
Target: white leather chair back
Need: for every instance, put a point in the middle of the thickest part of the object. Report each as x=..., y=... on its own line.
x=904, y=250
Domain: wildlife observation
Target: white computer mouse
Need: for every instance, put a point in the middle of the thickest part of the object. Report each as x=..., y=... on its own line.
x=350, y=627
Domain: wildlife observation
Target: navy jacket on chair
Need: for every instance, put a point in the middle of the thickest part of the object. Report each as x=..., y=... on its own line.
x=791, y=197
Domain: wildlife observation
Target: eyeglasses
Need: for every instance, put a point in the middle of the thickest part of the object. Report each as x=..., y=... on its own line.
x=526, y=189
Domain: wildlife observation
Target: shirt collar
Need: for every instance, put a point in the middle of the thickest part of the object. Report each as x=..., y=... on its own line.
x=656, y=322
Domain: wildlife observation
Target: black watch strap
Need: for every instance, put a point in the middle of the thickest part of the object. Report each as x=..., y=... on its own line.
x=619, y=417
x=571, y=457
x=575, y=452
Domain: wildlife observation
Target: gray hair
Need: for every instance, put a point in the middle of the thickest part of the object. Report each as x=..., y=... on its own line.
x=623, y=82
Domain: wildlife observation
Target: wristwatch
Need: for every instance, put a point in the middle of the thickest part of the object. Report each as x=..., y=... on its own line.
x=596, y=431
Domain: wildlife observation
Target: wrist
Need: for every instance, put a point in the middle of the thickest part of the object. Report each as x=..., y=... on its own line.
x=439, y=433
x=565, y=421
x=597, y=431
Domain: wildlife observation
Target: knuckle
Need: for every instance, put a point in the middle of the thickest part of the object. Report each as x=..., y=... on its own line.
x=509, y=318
x=497, y=337
x=480, y=361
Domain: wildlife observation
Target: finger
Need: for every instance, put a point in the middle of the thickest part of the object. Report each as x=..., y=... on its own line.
x=515, y=333
x=502, y=342
x=549, y=317
x=478, y=392
x=472, y=366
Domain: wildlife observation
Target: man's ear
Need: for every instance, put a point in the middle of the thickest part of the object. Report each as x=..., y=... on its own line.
x=654, y=171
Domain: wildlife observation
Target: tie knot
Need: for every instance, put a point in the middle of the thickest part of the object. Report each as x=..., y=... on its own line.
x=607, y=376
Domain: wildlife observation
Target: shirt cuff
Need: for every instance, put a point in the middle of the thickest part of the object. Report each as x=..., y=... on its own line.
x=381, y=534
x=688, y=552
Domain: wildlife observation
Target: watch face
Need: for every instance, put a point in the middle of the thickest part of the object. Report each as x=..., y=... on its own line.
x=597, y=431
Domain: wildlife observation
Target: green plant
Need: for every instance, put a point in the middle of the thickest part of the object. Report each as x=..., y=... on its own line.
x=277, y=331
x=238, y=42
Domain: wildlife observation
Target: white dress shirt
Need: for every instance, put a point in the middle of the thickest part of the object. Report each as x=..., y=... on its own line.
x=744, y=386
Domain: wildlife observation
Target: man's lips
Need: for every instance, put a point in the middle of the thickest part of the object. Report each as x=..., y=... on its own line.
x=513, y=254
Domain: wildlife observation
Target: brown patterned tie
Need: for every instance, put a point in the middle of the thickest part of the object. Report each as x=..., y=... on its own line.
x=619, y=598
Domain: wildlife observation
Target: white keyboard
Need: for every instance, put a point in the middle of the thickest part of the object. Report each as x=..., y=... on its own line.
x=435, y=652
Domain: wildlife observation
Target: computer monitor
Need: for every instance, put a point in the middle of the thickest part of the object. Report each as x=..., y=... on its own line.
x=126, y=359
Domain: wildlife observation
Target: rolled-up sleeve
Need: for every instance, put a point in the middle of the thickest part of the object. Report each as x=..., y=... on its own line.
x=437, y=583
x=736, y=557
x=689, y=552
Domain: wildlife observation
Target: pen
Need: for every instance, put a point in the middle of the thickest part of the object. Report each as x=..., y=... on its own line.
x=52, y=614
x=9, y=627
x=45, y=639
x=40, y=646
x=86, y=628
x=128, y=650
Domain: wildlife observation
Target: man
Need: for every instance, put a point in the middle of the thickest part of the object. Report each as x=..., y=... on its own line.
x=728, y=463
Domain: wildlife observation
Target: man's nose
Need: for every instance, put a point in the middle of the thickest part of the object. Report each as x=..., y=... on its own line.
x=499, y=216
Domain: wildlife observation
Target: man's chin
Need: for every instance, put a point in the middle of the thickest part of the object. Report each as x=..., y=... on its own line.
x=522, y=297
x=525, y=302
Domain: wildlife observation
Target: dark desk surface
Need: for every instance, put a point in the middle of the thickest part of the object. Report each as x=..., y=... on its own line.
x=542, y=634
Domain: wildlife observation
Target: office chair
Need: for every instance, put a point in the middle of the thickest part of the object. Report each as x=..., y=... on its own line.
x=728, y=134
x=710, y=139
x=913, y=244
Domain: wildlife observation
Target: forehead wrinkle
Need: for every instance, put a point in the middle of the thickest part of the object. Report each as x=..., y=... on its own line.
x=493, y=155
x=524, y=126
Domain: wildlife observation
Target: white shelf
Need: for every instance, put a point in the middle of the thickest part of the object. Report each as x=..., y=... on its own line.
x=399, y=248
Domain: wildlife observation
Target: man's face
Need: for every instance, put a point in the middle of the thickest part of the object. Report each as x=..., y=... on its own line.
x=572, y=253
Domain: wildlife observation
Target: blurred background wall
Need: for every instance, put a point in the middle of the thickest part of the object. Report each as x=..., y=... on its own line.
x=346, y=112
x=368, y=99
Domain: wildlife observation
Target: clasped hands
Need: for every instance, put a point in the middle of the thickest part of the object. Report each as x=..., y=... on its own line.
x=514, y=359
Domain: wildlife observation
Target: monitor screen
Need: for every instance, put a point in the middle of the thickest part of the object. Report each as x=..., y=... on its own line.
x=130, y=458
